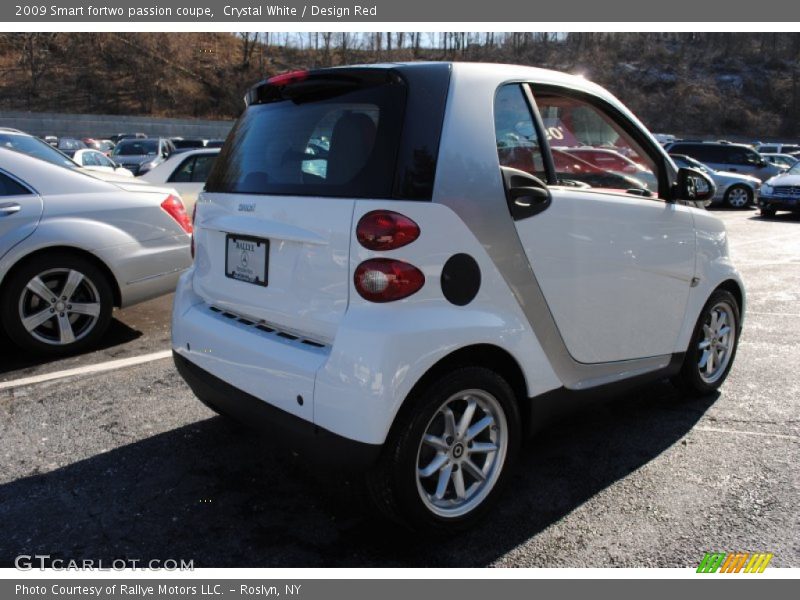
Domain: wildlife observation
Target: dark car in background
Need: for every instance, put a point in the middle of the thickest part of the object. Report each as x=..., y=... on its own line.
x=141, y=155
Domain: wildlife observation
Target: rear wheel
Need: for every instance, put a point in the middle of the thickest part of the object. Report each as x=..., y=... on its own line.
x=449, y=454
x=713, y=348
x=738, y=196
x=56, y=304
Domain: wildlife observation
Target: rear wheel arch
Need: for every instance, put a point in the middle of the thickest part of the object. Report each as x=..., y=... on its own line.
x=71, y=250
x=487, y=356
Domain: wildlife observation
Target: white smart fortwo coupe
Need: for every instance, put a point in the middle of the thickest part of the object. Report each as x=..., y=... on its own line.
x=393, y=270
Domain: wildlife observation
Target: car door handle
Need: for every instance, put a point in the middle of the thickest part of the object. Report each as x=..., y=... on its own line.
x=526, y=195
x=7, y=208
x=639, y=192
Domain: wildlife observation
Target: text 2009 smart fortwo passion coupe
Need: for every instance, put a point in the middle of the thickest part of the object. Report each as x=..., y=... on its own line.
x=392, y=271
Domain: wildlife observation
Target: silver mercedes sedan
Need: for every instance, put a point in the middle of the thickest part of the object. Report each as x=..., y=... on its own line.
x=72, y=247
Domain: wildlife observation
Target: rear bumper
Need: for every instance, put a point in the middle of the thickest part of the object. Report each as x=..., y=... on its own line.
x=309, y=440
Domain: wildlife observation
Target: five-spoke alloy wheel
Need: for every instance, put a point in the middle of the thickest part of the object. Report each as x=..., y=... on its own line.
x=56, y=305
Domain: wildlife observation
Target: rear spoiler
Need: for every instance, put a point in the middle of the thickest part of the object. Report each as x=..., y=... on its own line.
x=297, y=85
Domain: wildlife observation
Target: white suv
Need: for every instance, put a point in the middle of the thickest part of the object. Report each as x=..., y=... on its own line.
x=392, y=272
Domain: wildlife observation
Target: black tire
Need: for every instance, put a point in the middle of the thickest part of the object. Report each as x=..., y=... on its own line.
x=392, y=483
x=767, y=213
x=734, y=194
x=690, y=379
x=93, y=289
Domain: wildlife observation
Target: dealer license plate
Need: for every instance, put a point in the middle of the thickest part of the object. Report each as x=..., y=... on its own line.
x=246, y=259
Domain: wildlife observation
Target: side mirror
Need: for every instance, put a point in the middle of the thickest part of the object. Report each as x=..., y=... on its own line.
x=762, y=163
x=693, y=186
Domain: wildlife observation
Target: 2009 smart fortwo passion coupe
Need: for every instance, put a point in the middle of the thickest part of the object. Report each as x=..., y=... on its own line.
x=393, y=272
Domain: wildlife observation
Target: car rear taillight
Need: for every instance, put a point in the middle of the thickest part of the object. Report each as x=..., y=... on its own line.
x=385, y=279
x=386, y=230
x=194, y=215
x=176, y=210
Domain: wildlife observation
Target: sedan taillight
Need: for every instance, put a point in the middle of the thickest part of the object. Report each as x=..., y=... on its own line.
x=175, y=209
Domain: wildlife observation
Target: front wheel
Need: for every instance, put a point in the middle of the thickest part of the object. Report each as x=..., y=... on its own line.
x=738, y=196
x=713, y=347
x=448, y=455
x=56, y=304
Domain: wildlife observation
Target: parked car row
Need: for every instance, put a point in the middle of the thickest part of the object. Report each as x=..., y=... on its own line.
x=763, y=174
x=130, y=154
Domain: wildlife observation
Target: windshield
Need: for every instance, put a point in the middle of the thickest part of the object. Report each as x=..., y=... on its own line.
x=136, y=147
x=795, y=170
x=37, y=148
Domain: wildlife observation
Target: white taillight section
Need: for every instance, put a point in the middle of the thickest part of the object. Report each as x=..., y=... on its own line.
x=386, y=279
x=175, y=209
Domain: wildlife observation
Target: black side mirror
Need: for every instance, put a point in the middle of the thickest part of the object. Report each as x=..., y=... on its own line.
x=693, y=186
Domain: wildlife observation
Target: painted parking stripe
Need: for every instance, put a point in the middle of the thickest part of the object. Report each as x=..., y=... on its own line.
x=743, y=432
x=89, y=369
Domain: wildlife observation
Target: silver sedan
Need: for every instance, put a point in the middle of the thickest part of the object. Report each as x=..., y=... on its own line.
x=735, y=190
x=73, y=246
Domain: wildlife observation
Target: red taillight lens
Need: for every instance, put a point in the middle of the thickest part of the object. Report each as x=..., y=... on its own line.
x=386, y=230
x=385, y=280
x=176, y=210
x=194, y=215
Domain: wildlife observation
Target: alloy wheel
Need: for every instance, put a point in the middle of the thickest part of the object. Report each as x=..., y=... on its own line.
x=59, y=306
x=738, y=197
x=717, y=343
x=462, y=453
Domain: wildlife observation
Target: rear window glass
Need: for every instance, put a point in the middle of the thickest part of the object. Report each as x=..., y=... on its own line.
x=338, y=139
x=136, y=147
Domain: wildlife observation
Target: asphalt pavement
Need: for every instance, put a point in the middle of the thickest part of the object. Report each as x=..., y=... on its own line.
x=127, y=463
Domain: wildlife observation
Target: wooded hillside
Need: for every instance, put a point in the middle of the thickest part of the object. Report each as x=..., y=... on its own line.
x=718, y=84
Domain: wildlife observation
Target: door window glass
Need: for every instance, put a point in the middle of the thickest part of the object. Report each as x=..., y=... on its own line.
x=183, y=174
x=9, y=187
x=575, y=128
x=517, y=141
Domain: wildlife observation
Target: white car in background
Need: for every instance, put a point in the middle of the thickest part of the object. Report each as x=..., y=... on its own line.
x=94, y=160
x=73, y=246
x=186, y=172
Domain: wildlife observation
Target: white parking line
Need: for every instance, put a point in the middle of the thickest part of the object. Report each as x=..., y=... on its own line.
x=741, y=432
x=98, y=368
